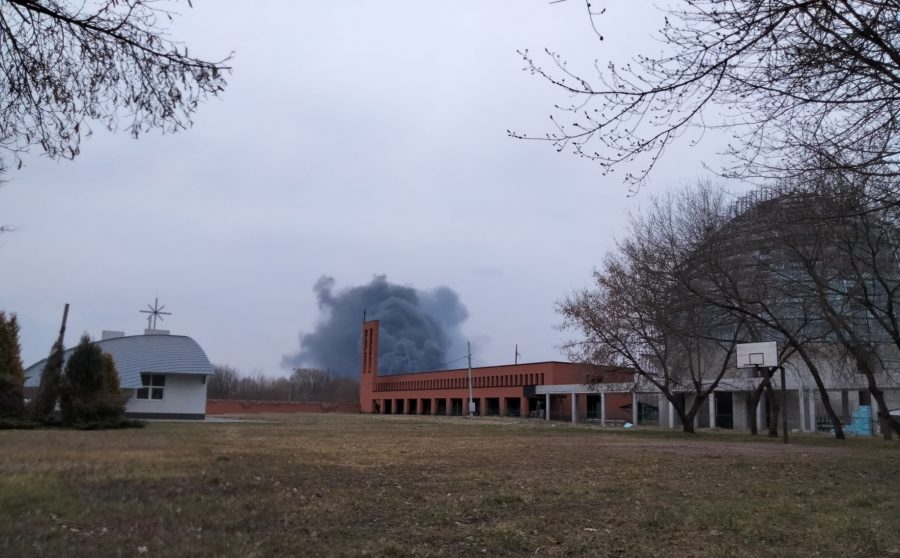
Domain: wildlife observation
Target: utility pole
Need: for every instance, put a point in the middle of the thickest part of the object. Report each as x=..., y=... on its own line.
x=62, y=328
x=471, y=401
x=516, y=360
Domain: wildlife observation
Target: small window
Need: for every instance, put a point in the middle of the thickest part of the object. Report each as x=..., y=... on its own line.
x=153, y=386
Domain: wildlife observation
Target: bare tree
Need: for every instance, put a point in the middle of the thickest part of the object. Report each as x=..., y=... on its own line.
x=754, y=277
x=857, y=287
x=642, y=314
x=64, y=65
x=304, y=384
x=789, y=79
x=312, y=384
x=697, y=274
x=223, y=382
x=822, y=279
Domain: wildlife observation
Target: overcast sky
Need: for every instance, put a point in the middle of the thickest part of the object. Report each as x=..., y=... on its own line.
x=354, y=139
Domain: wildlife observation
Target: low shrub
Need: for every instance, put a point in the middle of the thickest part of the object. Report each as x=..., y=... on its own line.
x=7, y=423
x=109, y=423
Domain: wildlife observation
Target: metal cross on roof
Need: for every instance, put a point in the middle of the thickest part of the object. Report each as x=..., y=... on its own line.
x=155, y=311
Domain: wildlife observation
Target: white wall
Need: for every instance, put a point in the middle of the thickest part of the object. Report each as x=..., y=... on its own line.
x=184, y=393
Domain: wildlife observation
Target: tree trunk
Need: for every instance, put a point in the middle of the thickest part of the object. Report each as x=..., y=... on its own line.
x=687, y=422
x=887, y=422
x=754, y=404
x=886, y=429
x=836, y=422
x=690, y=417
x=853, y=346
x=875, y=391
x=754, y=401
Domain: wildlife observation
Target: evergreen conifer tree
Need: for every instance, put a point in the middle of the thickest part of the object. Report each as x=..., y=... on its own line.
x=51, y=375
x=12, y=375
x=112, y=404
x=89, y=391
x=82, y=383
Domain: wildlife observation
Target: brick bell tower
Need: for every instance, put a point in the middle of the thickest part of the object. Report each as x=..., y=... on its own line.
x=369, y=368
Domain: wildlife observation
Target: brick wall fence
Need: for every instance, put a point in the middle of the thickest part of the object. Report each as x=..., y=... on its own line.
x=244, y=406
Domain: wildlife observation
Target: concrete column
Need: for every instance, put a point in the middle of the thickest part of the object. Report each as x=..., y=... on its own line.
x=671, y=414
x=547, y=406
x=523, y=406
x=812, y=411
x=845, y=406
x=602, y=408
x=503, y=406
x=712, y=409
x=574, y=410
x=634, y=408
x=802, y=410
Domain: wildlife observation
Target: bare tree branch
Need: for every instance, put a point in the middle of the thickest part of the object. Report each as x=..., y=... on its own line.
x=64, y=66
x=786, y=78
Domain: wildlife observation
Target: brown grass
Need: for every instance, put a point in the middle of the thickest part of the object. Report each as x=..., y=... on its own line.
x=327, y=485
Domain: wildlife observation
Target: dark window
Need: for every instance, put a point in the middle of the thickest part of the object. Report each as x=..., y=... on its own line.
x=153, y=386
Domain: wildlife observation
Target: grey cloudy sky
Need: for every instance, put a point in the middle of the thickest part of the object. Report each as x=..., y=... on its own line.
x=354, y=139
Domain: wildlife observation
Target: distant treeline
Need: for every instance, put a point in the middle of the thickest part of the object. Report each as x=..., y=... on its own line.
x=304, y=384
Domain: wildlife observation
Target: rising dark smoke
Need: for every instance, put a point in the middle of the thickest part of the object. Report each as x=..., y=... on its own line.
x=420, y=330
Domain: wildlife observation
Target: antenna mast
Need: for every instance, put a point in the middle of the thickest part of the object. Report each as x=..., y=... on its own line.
x=155, y=312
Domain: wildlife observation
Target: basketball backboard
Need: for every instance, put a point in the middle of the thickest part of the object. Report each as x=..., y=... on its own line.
x=757, y=354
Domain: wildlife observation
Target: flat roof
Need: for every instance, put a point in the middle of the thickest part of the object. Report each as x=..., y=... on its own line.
x=511, y=366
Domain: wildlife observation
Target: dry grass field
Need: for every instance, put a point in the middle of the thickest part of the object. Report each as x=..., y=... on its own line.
x=320, y=485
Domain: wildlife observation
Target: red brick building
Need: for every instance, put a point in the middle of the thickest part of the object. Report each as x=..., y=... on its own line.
x=509, y=390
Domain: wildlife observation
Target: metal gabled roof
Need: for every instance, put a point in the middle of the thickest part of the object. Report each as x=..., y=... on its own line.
x=136, y=354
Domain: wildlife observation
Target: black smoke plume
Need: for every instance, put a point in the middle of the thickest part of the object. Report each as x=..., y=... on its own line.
x=420, y=330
